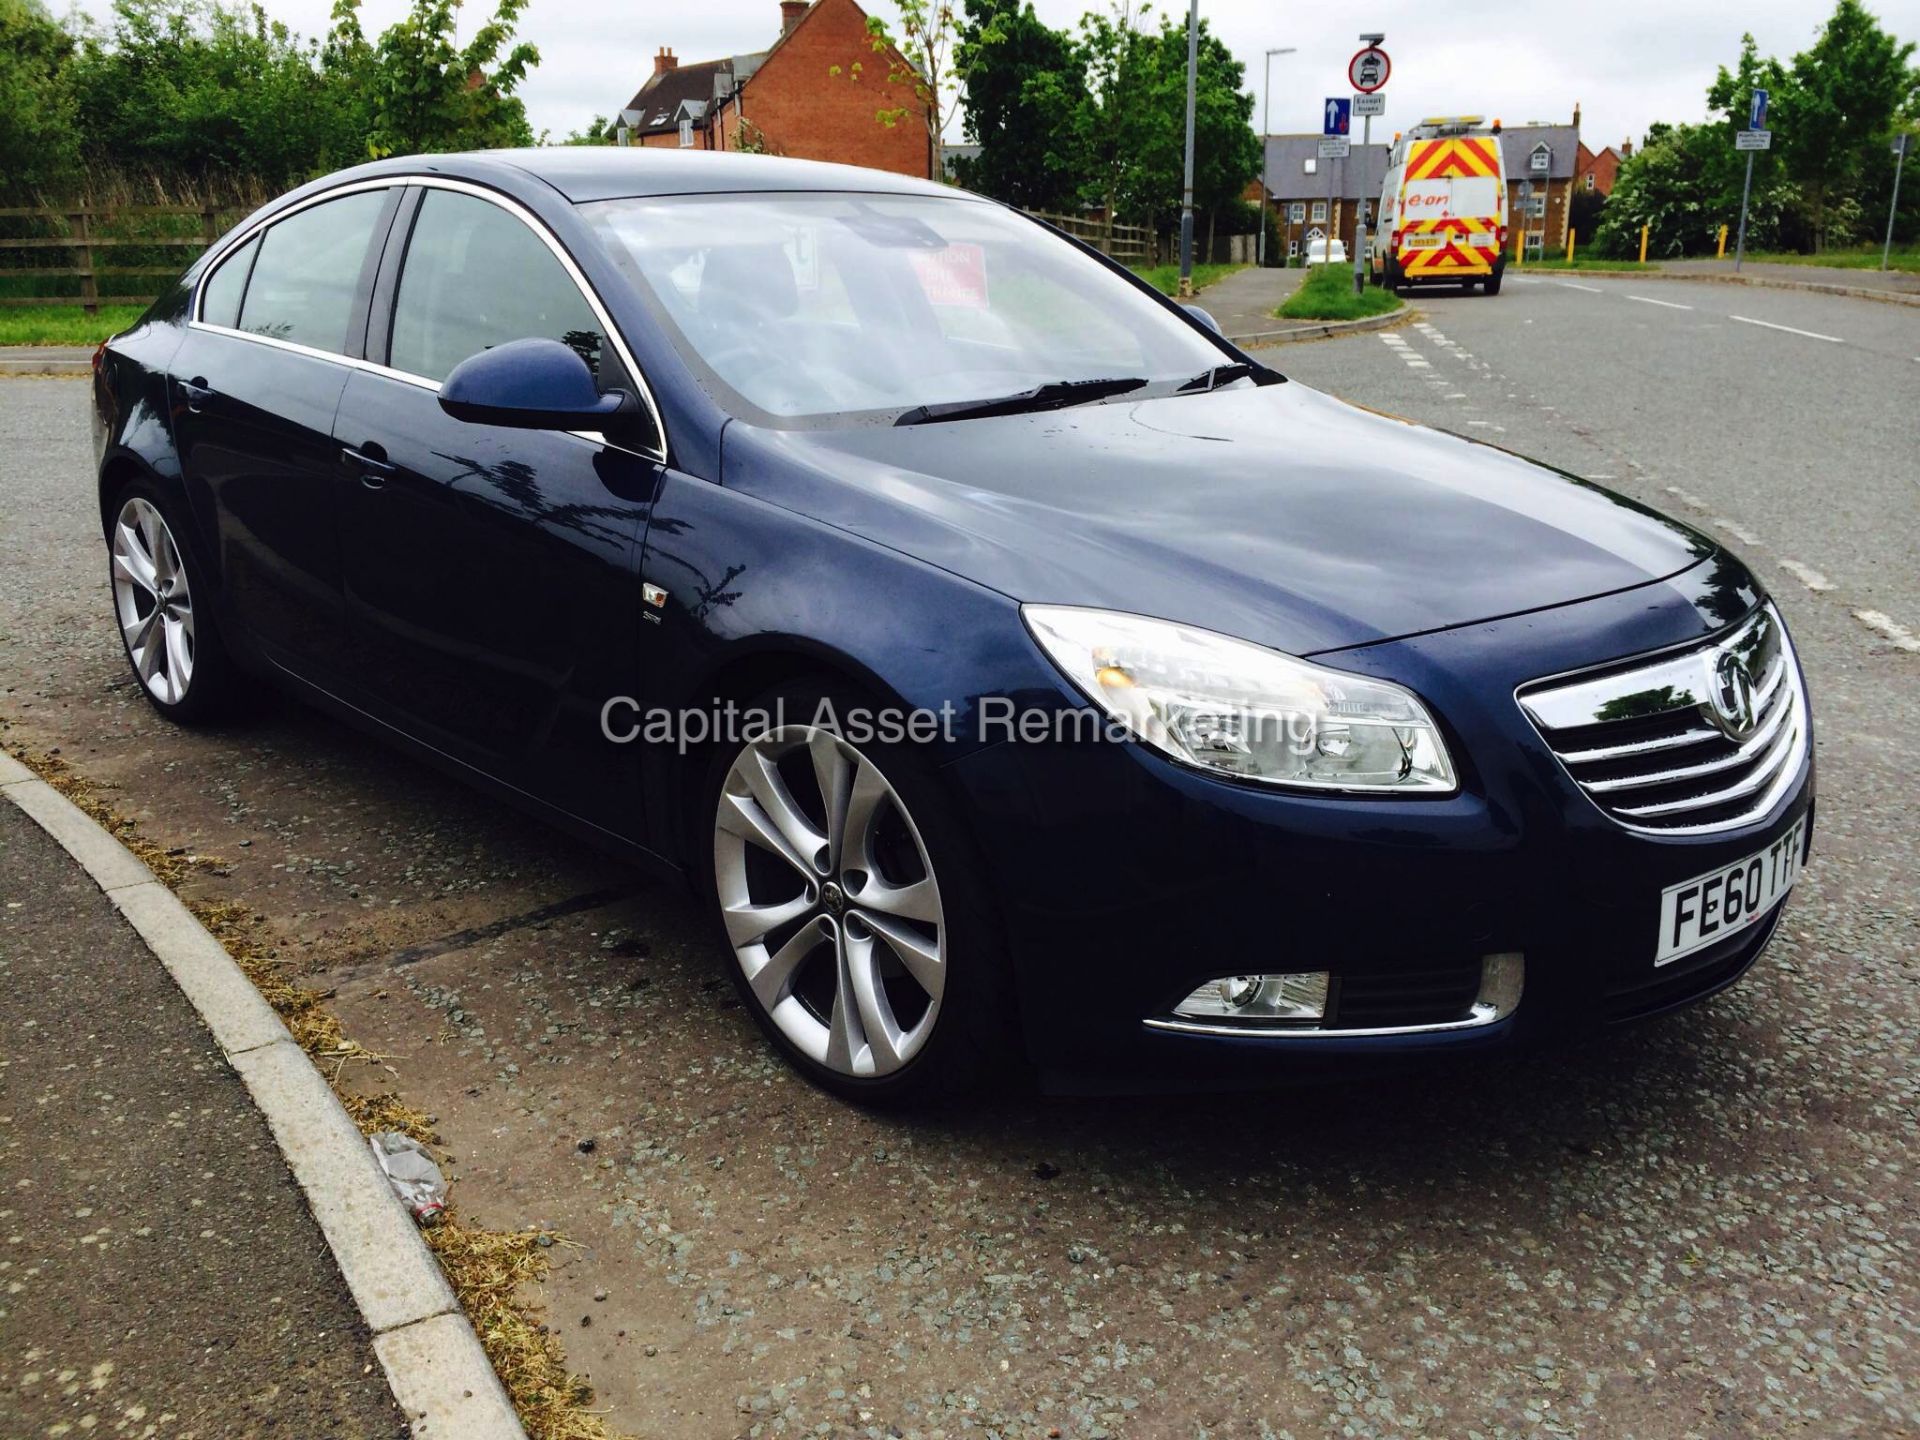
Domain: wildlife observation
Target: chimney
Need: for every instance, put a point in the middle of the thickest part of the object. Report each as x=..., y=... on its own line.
x=1626, y=148
x=1576, y=114
x=791, y=14
x=664, y=61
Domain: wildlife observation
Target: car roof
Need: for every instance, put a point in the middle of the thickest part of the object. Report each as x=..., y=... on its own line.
x=585, y=173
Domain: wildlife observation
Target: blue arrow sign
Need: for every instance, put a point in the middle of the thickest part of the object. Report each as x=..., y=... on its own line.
x=1757, y=110
x=1339, y=114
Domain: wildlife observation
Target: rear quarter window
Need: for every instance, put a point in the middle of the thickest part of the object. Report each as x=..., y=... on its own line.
x=220, y=295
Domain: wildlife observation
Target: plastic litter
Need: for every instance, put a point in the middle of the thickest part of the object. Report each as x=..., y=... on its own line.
x=412, y=1173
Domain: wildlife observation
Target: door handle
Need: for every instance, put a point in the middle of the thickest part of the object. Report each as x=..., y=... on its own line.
x=372, y=463
x=196, y=392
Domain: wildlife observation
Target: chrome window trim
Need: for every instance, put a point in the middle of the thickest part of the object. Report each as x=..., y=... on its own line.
x=463, y=187
x=1500, y=992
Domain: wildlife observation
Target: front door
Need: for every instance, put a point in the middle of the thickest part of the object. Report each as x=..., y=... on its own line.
x=491, y=573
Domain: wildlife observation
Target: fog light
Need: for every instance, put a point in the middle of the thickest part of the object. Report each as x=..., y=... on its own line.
x=1259, y=997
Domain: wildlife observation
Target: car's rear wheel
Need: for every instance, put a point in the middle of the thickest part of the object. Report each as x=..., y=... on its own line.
x=162, y=605
x=854, y=915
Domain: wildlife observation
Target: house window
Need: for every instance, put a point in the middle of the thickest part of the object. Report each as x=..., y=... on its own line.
x=1541, y=161
x=1319, y=212
x=1293, y=248
x=686, y=134
x=1310, y=165
x=1297, y=212
x=1537, y=207
x=1589, y=181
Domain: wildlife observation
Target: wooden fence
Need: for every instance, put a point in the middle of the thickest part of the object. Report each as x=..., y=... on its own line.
x=89, y=229
x=1129, y=244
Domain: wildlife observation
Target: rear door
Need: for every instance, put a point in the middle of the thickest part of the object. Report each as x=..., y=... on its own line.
x=254, y=389
x=491, y=573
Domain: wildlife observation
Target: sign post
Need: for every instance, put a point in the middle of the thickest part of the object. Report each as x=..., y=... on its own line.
x=1336, y=118
x=1755, y=137
x=1901, y=144
x=1368, y=72
x=1186, y=189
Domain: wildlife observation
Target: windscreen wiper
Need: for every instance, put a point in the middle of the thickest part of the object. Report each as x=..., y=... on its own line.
x=1054, y=395
x=1216, y=377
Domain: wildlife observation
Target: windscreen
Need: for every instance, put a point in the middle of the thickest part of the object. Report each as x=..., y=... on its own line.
x=826, y=306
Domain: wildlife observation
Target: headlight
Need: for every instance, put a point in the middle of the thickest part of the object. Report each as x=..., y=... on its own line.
x=1241, y=709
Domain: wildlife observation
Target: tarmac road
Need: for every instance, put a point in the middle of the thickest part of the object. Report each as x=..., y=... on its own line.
x=1706, y=1226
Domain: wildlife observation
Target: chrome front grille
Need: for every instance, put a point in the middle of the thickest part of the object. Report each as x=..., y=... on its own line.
x=1687, y=742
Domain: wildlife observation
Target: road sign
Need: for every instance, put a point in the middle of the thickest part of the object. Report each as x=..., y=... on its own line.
x=1368, y=70
x=1368, y=106
x=1757, y=110
x=1336, y=148
x=1336, y=116
x=1902, y=144
x=1753, y=140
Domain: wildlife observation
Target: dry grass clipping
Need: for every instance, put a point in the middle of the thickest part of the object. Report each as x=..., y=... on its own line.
x=489, y=1270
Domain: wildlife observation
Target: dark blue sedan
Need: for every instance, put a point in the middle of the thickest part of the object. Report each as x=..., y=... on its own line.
x=1030, y=678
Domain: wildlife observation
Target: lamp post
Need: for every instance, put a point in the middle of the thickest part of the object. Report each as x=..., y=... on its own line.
x=1186, y=187
x=1266, y=129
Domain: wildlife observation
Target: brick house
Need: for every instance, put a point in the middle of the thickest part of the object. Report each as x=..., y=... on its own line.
x=802, y=97
x=1540, y=161
x=1314, y=197
x=1595, y=173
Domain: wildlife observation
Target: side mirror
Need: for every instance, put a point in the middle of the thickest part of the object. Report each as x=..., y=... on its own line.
x=530, y=385
x=1203, y=317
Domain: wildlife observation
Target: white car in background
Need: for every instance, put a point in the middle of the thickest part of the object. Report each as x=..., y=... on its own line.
x=1317, y=252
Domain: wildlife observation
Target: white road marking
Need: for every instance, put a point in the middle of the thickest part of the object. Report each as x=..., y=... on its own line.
x=1669, y=304
x=1419, y=365
x=1458, y=395
x=1806, y=575
x=1810, y=334
x=1889, y=627
x=1590, y=289
x=1739, y=532
x=1479, y=422
x=1685, y=497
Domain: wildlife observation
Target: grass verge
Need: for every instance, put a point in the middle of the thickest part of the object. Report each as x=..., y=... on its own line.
x=487, y=1268
x=1860, y=258
x=1327, y=294
x=64, y=324
x=1166, y=278
x=1580, y=262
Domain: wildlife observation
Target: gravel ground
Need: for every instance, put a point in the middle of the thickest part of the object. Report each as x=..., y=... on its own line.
x=1706, y=1226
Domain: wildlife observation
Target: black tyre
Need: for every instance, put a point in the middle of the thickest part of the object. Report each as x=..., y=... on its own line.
x=1493, y=280
x=163, y=606
x=859, y=929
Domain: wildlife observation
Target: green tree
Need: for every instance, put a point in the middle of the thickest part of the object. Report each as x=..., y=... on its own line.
x=929, y=64
x=1848, y=91
x=37, y=133
x=1026, y=80
x=1226, y=151
x=1099, y=122
x=422, y=91
x=194, y=89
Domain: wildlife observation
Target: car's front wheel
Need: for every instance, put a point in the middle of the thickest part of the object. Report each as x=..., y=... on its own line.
x=853, y=912
x=162, y=605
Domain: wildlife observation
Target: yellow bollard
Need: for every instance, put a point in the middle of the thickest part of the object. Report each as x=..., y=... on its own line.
x=1643, y=244
x=1722, y=253
x=1569, y=245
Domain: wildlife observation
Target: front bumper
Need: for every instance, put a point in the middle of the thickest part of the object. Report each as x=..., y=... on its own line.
x=1125, y=880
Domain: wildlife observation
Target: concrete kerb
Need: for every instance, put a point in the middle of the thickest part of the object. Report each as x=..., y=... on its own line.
x=1763, y=282
x=434, y=1363
x=1330, y=330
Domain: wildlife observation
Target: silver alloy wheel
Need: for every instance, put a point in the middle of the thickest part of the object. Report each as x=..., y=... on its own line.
x=151, y=600
x=830, y=901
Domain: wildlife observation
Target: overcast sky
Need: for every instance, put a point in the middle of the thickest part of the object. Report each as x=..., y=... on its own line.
x=1627, y=62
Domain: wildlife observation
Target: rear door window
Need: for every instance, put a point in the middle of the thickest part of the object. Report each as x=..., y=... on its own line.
x=307, y=273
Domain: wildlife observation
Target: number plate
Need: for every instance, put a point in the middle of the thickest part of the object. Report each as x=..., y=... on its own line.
x=1723, y=902
x=1427, y=240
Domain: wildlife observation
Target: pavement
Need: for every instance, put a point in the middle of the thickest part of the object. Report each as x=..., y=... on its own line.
x=164, y=1276
x=1705, y=1226
x=1899, y=282
x=46, y=360
x=1243, y=302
